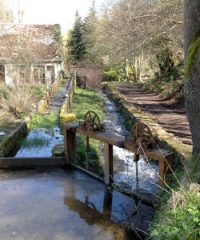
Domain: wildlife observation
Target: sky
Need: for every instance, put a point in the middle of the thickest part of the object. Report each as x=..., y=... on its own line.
x=52, y=11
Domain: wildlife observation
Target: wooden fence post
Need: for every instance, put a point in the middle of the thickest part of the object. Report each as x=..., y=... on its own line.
x=108, y=163
x=70, y=146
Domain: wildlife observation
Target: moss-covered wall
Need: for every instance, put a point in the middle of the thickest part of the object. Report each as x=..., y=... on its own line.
x=10, y=143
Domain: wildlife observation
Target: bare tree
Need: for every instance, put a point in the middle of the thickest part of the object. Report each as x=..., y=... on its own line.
x=5, y=13
x=133, y=30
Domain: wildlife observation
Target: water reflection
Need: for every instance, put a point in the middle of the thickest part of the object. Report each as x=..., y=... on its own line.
x=110, y=210
x=66, y=205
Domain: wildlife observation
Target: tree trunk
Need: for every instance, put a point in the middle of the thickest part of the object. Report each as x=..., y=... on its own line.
x=192, y=79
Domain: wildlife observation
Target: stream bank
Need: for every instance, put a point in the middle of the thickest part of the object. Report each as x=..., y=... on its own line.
x=45, y=130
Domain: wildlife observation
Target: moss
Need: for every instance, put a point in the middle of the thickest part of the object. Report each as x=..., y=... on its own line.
x=58, y=150
x=192, y=54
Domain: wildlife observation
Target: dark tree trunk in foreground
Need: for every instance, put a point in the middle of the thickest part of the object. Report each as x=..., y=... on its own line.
x=192, y=69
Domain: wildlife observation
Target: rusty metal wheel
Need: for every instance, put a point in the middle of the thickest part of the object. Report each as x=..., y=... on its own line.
x=92, y=121
x=142, y=135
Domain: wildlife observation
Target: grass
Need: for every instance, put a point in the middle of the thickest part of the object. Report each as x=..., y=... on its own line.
x=88, y=100
x=48, y=121
x=34, y=142
x=180, y=219
x=178, y=215
x=38, y=91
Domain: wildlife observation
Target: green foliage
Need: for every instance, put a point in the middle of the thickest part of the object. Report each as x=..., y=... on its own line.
x=165, y=61
x=44, y=121
x=192, y=54
x=167, y=85
x=38, y=91
x=58, y=150
x=75, y=43
x=87, y=100
x=194, y=167
x=34, y=142
x=93, y=154
x=115, y=73
x=110, y=75
x=180, y=220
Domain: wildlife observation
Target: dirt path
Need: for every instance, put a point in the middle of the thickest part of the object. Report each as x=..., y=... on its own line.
x=171, y=116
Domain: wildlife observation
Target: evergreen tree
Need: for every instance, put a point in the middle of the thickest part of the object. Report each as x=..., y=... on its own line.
x=90, y=24
x=76, y=45
x=58, y=38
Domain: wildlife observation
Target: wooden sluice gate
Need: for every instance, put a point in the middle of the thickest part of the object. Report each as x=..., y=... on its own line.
x=141, y=142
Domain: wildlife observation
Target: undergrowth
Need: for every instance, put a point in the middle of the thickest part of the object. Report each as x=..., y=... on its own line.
x=35, y=142
x=178, y=215
x=168, y=85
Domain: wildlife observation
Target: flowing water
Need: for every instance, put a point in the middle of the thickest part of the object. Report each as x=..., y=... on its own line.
x=124, y=165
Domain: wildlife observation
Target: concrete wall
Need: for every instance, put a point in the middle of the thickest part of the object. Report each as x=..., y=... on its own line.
x=12, y=73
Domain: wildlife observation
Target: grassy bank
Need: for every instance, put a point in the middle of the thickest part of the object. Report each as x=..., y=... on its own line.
x=88, y=100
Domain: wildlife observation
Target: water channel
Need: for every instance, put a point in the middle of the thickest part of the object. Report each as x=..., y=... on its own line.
x=67, y=204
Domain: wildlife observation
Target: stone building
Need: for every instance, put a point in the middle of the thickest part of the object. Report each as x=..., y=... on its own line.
x=29, y=54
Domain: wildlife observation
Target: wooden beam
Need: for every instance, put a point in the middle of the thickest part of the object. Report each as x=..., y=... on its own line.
x=31, y=162
x=105, y=137
x=108, y=163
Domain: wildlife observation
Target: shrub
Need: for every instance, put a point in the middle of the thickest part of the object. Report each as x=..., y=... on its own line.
x=16, y=101
x=180, y=220
x=37, y=91
x=110, y=75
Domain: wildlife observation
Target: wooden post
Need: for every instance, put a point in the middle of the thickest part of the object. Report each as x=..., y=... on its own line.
x=70, y=146
x=107, y=203
x=108, y=163
x=164, y=166
x=70, y=100
x=87, y=146
x=136, y=159
x=74, y=82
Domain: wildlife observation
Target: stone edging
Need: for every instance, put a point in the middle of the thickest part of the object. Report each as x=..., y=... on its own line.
x=43, y=104
x=10, y=142
x=134, y=115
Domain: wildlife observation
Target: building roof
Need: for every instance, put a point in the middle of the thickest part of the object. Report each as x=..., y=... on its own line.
x=28, y=43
